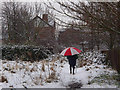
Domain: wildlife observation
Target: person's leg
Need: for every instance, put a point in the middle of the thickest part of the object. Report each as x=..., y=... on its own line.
x=73, y=69
x=70, y=69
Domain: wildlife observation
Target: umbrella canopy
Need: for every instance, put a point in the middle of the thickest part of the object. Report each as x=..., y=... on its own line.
x=70, y=51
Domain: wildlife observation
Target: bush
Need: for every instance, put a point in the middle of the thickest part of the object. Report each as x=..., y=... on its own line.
x=113, y=59
x=25, y=52
x=106, y=78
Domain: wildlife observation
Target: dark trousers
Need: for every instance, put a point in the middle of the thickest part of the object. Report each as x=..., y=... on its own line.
x=71, y=69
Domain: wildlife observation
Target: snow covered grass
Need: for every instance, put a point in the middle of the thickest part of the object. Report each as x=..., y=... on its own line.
x=54, y=73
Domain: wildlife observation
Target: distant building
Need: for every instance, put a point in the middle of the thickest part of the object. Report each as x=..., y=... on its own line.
x=69, y=37
x=44, y=28
x=74, y=37
x=84, y=38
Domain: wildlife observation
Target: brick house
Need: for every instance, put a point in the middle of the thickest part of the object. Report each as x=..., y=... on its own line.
x=69, y=37
x=43, y=30
x=74, y=37
x=85, y=39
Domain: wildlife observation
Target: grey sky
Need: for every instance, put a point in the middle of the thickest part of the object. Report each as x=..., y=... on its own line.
x=62, y=17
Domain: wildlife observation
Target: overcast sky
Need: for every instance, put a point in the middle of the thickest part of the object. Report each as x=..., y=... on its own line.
x=54, y=4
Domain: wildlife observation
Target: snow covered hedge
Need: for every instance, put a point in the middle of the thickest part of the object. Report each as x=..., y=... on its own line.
x=95, y=56
x=25, y=52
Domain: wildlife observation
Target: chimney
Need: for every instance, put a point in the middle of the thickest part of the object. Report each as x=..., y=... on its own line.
x=45, y=17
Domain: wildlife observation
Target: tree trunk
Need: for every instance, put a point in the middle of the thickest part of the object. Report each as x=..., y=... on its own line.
x=111, y=41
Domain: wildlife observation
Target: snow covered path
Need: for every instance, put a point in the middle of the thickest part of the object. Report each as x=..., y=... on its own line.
x=80, y=75
x=83, y=76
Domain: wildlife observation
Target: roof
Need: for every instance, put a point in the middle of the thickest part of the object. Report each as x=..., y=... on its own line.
x=49, y=24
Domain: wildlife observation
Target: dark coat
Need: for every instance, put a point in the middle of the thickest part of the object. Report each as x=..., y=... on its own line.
x=72, y=60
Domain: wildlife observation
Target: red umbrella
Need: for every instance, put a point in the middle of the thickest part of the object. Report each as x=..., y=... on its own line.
x=70, y=51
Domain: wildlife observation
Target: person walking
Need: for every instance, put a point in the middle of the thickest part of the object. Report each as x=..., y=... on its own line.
x=72, y=54
x=72, y=62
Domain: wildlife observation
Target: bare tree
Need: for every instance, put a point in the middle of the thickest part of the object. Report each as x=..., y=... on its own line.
x=101, y=18
x=15, y=18
x=16, y=22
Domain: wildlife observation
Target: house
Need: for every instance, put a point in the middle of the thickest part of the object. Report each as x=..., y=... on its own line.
x=85, y=39
x=68, y=37
x=43, y=30
x=74, y=37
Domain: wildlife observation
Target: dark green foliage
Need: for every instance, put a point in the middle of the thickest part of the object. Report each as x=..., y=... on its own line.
x=113, y=59
x=25, y=52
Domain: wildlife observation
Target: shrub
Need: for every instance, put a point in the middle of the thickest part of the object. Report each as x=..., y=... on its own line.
x=25, y=52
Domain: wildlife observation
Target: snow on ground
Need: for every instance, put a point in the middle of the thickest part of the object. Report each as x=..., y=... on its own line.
x=50, y=74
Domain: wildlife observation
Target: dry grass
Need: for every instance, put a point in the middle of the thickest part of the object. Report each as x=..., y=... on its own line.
x=3, y=79
x=52, y=69
x=43, y=67
x=32, y=67
x=51, y=77
x=37, y=80
x=27, y=68
x=82, y=63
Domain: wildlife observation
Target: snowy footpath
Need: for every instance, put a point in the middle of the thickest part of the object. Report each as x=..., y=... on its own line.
x=50, y=74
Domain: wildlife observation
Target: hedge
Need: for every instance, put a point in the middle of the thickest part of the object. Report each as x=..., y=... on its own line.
x=25, y=52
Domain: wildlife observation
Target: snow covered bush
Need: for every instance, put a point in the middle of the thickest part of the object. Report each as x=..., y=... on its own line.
x=88, y=58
